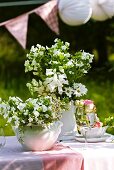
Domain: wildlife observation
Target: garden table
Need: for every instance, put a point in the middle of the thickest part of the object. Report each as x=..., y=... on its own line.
x=14, y=157
x=67, y=155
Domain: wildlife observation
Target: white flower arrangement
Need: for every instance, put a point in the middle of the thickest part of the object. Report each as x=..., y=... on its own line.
x=40, y=111
x=55, y=83
x=56, y=71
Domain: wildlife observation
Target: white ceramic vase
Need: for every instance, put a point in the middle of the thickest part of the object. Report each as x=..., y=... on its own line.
x=36, y=138
x=68, y=119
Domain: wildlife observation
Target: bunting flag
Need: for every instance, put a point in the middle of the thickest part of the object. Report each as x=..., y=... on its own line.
x=48, y=12
x=18, y=28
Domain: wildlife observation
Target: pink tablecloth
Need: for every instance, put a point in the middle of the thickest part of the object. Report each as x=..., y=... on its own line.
x=13, y=157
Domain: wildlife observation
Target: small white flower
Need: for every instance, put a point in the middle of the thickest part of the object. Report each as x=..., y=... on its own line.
x=88, y=56
x=70, y=72
x=60, y=90
x=35, y=54
x=15, y=117
x=16, y=125
x=54, y=46
x=10, y=119
x=79, y=89
x=61, y=69
x=91, y=58
x=46, y=115
x=54, y=62
x=21, y=106
x=34, y=62
x=56, y=81
x=36, y=106
x=49, y=72
x=84, y=71
x=41, y=53
x=44, y=108
x=27, y=55
x=36, y=119
x=30, y=119
x=69, y=91
x=70, y=63
x=67, y=55
x=64, y=47
x=67, y=44
x=38, y=46
x=56, y=39
x=4, y=106
x=33, y=49
x=62, y=79
x=36, y=113
x=25, y=112
x=56, y=52
x=5, y=115
x=79, y=64
x=27, y=63
x=47, y=47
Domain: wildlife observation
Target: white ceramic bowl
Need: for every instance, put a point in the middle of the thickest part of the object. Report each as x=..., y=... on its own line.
x=37, y=139
x=95, y=132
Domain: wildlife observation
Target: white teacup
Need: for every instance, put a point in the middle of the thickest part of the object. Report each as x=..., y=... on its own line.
x=94, y=132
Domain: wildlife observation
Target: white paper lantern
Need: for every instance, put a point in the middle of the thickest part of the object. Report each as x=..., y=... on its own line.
x=108, y=6
x=102, y=9
x=74, y=12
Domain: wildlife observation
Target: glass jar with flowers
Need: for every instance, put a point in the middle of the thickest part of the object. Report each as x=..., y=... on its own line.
x=57, y=72
x=86, y=118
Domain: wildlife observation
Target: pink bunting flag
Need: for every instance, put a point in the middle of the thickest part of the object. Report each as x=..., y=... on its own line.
x=18, y=28
x=48, y=12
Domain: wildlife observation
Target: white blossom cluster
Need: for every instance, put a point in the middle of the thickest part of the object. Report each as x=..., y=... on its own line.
x=56, y=82
x=57, y=71
x=39, y=111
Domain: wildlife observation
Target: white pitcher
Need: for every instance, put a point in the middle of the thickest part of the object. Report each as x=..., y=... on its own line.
x=69, y=123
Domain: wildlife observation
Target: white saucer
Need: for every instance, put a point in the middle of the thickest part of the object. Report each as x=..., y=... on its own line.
x=103, y=138
x=67, y=137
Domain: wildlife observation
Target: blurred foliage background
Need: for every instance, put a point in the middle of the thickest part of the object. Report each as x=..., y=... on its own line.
x=94, y=37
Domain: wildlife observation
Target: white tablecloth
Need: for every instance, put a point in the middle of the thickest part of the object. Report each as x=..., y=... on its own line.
x=97, y=156
x=14, y=157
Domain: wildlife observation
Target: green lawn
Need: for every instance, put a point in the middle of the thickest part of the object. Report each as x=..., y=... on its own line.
x=16, y=87
x=100, y=86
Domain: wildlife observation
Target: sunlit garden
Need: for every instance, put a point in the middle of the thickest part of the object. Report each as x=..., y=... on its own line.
x=56, y=84
x=95, y=37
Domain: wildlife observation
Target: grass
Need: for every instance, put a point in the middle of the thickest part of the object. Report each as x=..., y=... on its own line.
x=16, y=87
x=102, y=94
x=100, y=84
